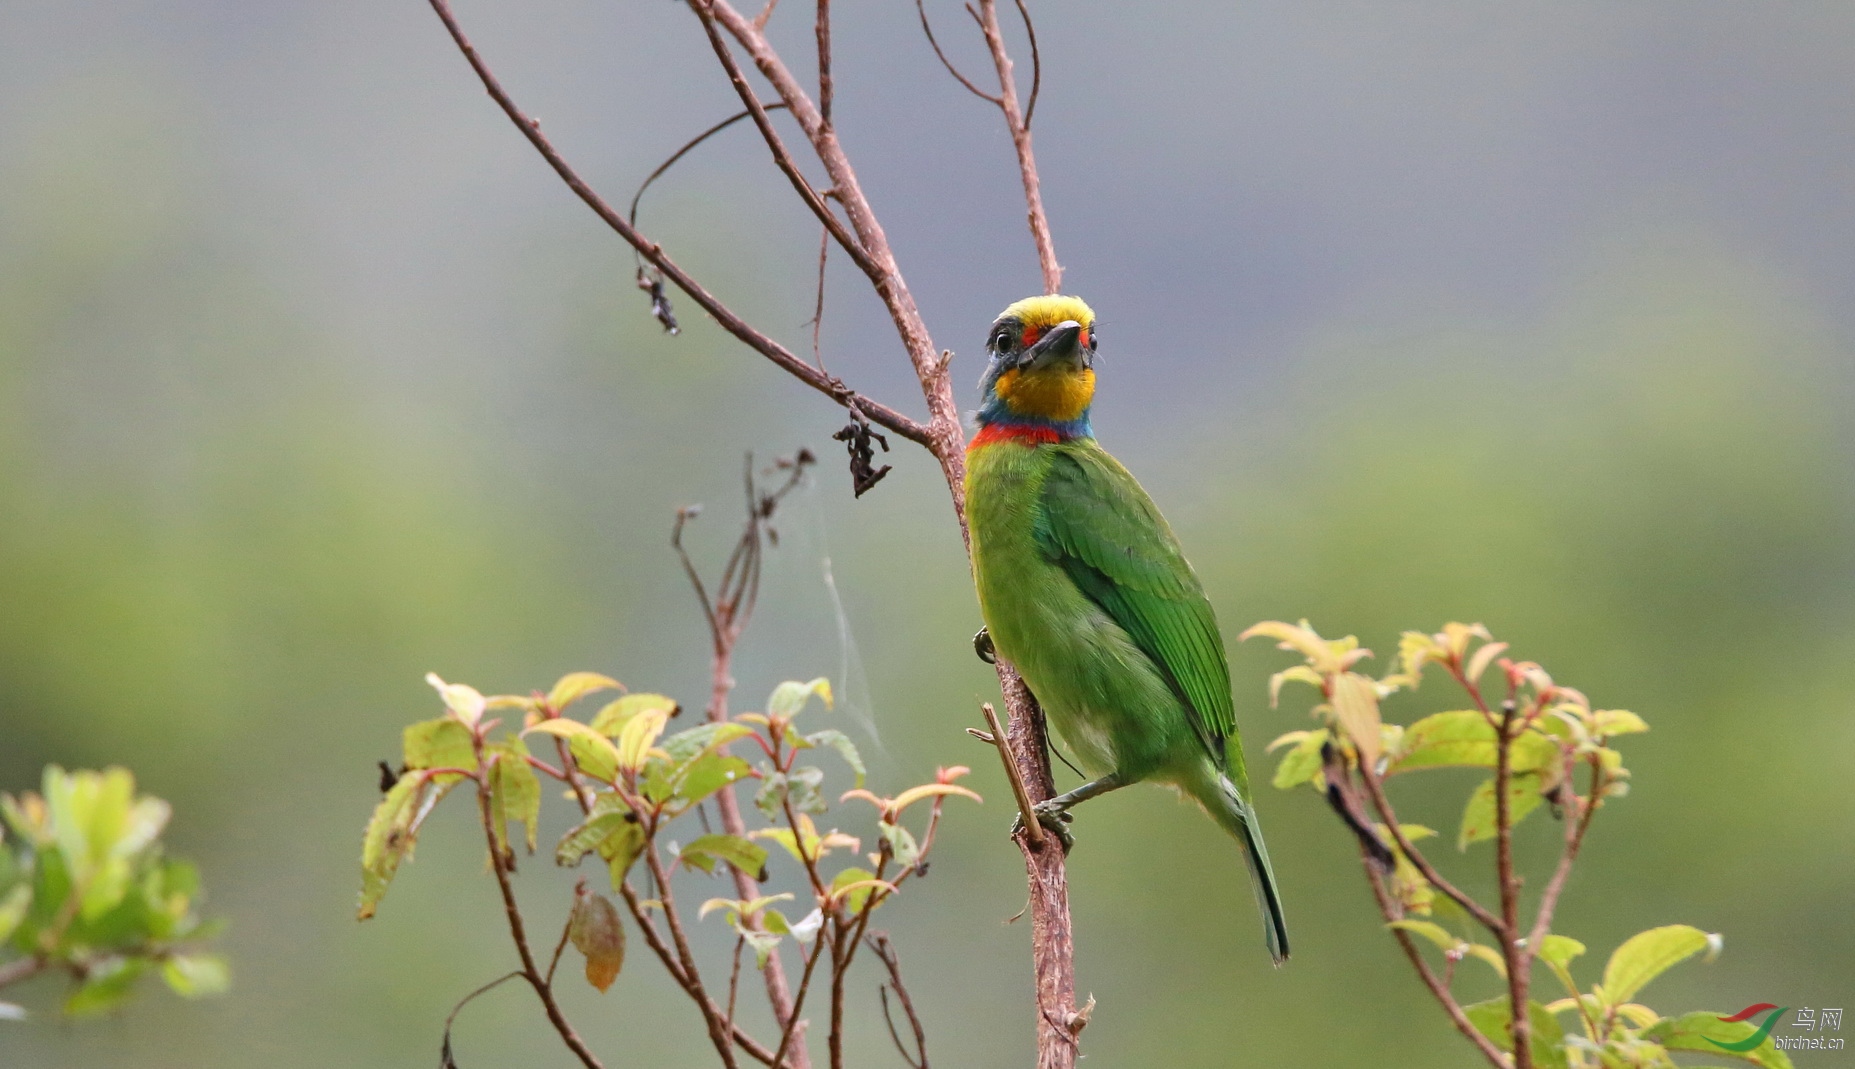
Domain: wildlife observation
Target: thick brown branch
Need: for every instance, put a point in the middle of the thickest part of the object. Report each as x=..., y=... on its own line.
x=1052, y=944
x=828, y=385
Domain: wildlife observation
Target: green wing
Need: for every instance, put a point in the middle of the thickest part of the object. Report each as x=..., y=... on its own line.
x=1099, y=524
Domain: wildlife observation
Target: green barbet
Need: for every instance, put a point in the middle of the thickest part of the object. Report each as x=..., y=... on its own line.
x=1084, y=588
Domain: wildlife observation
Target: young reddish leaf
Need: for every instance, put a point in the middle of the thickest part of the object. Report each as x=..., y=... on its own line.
x=596, y=932
x=1297, y=639
x=1483, y=658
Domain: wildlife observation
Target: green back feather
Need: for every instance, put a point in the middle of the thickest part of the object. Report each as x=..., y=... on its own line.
x=1098, y=523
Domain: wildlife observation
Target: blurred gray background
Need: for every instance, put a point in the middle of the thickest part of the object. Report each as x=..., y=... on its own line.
x=313, y=378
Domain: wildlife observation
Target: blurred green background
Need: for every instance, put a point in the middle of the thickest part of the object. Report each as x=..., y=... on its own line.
x=313, y=379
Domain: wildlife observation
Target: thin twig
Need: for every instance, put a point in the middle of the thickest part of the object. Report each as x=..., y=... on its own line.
x=885, y=951
x=1020, y=129
x=1521, y=1022
x=798, y=1002
x=1030, y=31
x=653, y=252
x=781, y=156
x=1376, y=791
x=23, y=969
x=947, y=63
x=824, y=252
x=1033, y=828
x=632, y=214
x=720, y=1031
x=518, y=933
x=1388, y=909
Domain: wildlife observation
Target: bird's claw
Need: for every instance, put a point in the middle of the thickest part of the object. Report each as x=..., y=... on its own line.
x=982, y=645
x=1054, y=819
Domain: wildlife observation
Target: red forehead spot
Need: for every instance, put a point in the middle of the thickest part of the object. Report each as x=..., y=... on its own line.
x=1084, y=339
x=1031, y=334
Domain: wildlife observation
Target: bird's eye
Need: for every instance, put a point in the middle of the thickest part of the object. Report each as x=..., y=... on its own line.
x=1094, y=337
x=1001, y=340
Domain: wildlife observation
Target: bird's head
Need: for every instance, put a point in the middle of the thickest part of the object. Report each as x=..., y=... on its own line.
x=1041, y=375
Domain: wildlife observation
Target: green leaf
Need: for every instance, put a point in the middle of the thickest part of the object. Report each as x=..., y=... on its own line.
x=686, y=744
x=748, y=858
x=607, y=831
x=1494, y=1019
x=902, y=845
x=790, y=697
x=710, y=773
x=1463, y=738
x=515, y=791
x=1646, y=955
x=611, y=719
x=576, y=685
x=1705, y=1032
x=800, y=787
x=1559, y=950
x=1301, y=764
x=855, y=885
x=441, y=743
x=840, y=742
x=1478, y=817
x=593, y=752
x=388, y=841
x=194, y=975
x=106, y=987
x=596, y=933
x=13, y=907
x=1355, y=704
x=1444, y=939
x=1608, y=722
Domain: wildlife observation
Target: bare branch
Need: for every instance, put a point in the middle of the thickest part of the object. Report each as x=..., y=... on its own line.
x=652, y=252
x=1030, y=31
x=781, y=156
x=928, y=29
x=1376, y=791
x=1033, y=830
x=822, y=30
x=1021, y=140
x=1388, y=908
x=517, y=931
x=632, y=214
x=884, y=950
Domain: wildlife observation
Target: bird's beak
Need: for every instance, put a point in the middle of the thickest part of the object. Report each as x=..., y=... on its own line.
x=1061, y=342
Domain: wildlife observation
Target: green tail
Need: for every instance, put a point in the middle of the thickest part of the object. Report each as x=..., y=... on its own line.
x=1228, y=807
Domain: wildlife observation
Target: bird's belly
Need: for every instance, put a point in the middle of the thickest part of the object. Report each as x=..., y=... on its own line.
x=1102, y=694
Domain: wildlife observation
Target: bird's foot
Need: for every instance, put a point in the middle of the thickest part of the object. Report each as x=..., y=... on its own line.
x=982, y=645
x=1055, y=820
